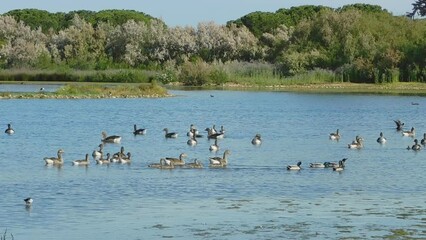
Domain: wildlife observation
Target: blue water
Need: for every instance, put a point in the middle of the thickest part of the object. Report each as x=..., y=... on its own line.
x=380, y=191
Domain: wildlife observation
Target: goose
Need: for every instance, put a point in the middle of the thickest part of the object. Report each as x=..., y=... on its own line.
x=82, y=162
x=9, y=130
x=220, y=161
x=192, y=141
x=192, y=131
x=104, y=160
x=257, y=140
x=416, y=146
x=170, y=134
x=214, y=147
x=340, y=167
x=120, y=153
x=334, y=164
x=410, y=133
x=97, y=154
x=423, y=141
x=125, y=160
x=381, y=139
x=28, y=201
x=162, y=165
x=55, y=160
x=357, y=143
x=222, y=130
x=335, y=135
x=140, y=131
x=399, y=125
x=317, y=165
x=110, y=139
x=213, y=134
x=178, y=161
x=295, y=167
x=195, y=164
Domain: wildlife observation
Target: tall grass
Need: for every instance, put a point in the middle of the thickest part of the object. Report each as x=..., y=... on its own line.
x=4, y=236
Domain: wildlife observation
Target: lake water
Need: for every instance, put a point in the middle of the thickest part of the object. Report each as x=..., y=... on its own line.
x=380, y=193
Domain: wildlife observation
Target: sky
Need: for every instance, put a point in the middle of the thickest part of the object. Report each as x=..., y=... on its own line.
x=192, y=12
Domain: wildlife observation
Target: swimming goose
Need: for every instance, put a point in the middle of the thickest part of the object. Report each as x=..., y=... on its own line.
x=110, y=139
x=416, y=146
x=193, y=131
x=381, y=139
x=220, y=161
x=121, y=153
x=195, y=164
x=334, y=164
x=213, y=134
x=192, y=141
x=104, y=160
x=410, y=133
x=126, y=159
x=140, y=131
x=317, y=165
x=177, y=161
x=335, y=135
x=340, y=167
x=294, y=167
x=169, y=134
x=82, y=162
x=55, y=160
x=28, y=201
x=357, y=143
x=222, y=130
x=214, y=147
x=9, y=130
x=399, y=125
x=98, y=153
x=162, y=165
x=423, y=141
x=257, y=140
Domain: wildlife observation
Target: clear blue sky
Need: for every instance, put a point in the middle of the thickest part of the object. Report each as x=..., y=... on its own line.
x=191, y=12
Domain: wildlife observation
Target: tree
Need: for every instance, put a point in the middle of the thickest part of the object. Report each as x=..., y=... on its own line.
x=419, y=7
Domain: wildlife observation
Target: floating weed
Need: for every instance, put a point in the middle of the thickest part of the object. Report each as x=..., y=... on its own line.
x=398, y=233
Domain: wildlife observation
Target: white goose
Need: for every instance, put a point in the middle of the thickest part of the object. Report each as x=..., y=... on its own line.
x=55, y=160
x=97, y=154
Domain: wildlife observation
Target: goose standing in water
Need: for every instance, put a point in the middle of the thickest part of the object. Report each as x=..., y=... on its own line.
x=214, y=147
x=9, y=130
x=169, y=134
x=110, y=139
x=399, y=125
x=423, y=141
x=381, y=139
x=410, y=133
x=257, y=140
x=82, y=162
x=335, y=135
x=97, y=154
x=416, y=146
x=177, y=161
x=162, y=165
x=220, y=161
x=295, y=167
x=55, y=160
x=140, y=131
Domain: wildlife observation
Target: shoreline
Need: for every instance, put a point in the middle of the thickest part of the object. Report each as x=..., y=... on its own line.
x=415, y=89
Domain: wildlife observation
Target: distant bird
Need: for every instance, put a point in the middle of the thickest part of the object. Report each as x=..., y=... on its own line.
x=119, y=154
x=409, y=133
x=340, y=167
x=126, y=159
x=357, y=143
x=177, y=161
x=106, y=160
x=334, y=164
x=55, y=160
x=399, y=124
x=192, y=141
x=9, y=130
x=317, y=165
x=335, y=135
x=257, y=140
x=28, y=201
x=423, y=141
x=82, y=162
x=41, y=89
x=220, y=161
x=162, y=165
x=195, y=164
x=415, y=103
x=212, y=134
x=170, y=134
x=416, y=146
x=295, y=167
x=140, y=131
x=97, y=154
x=381, y=139
x=110, y=139
x=211, y=95
x=214, y=147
